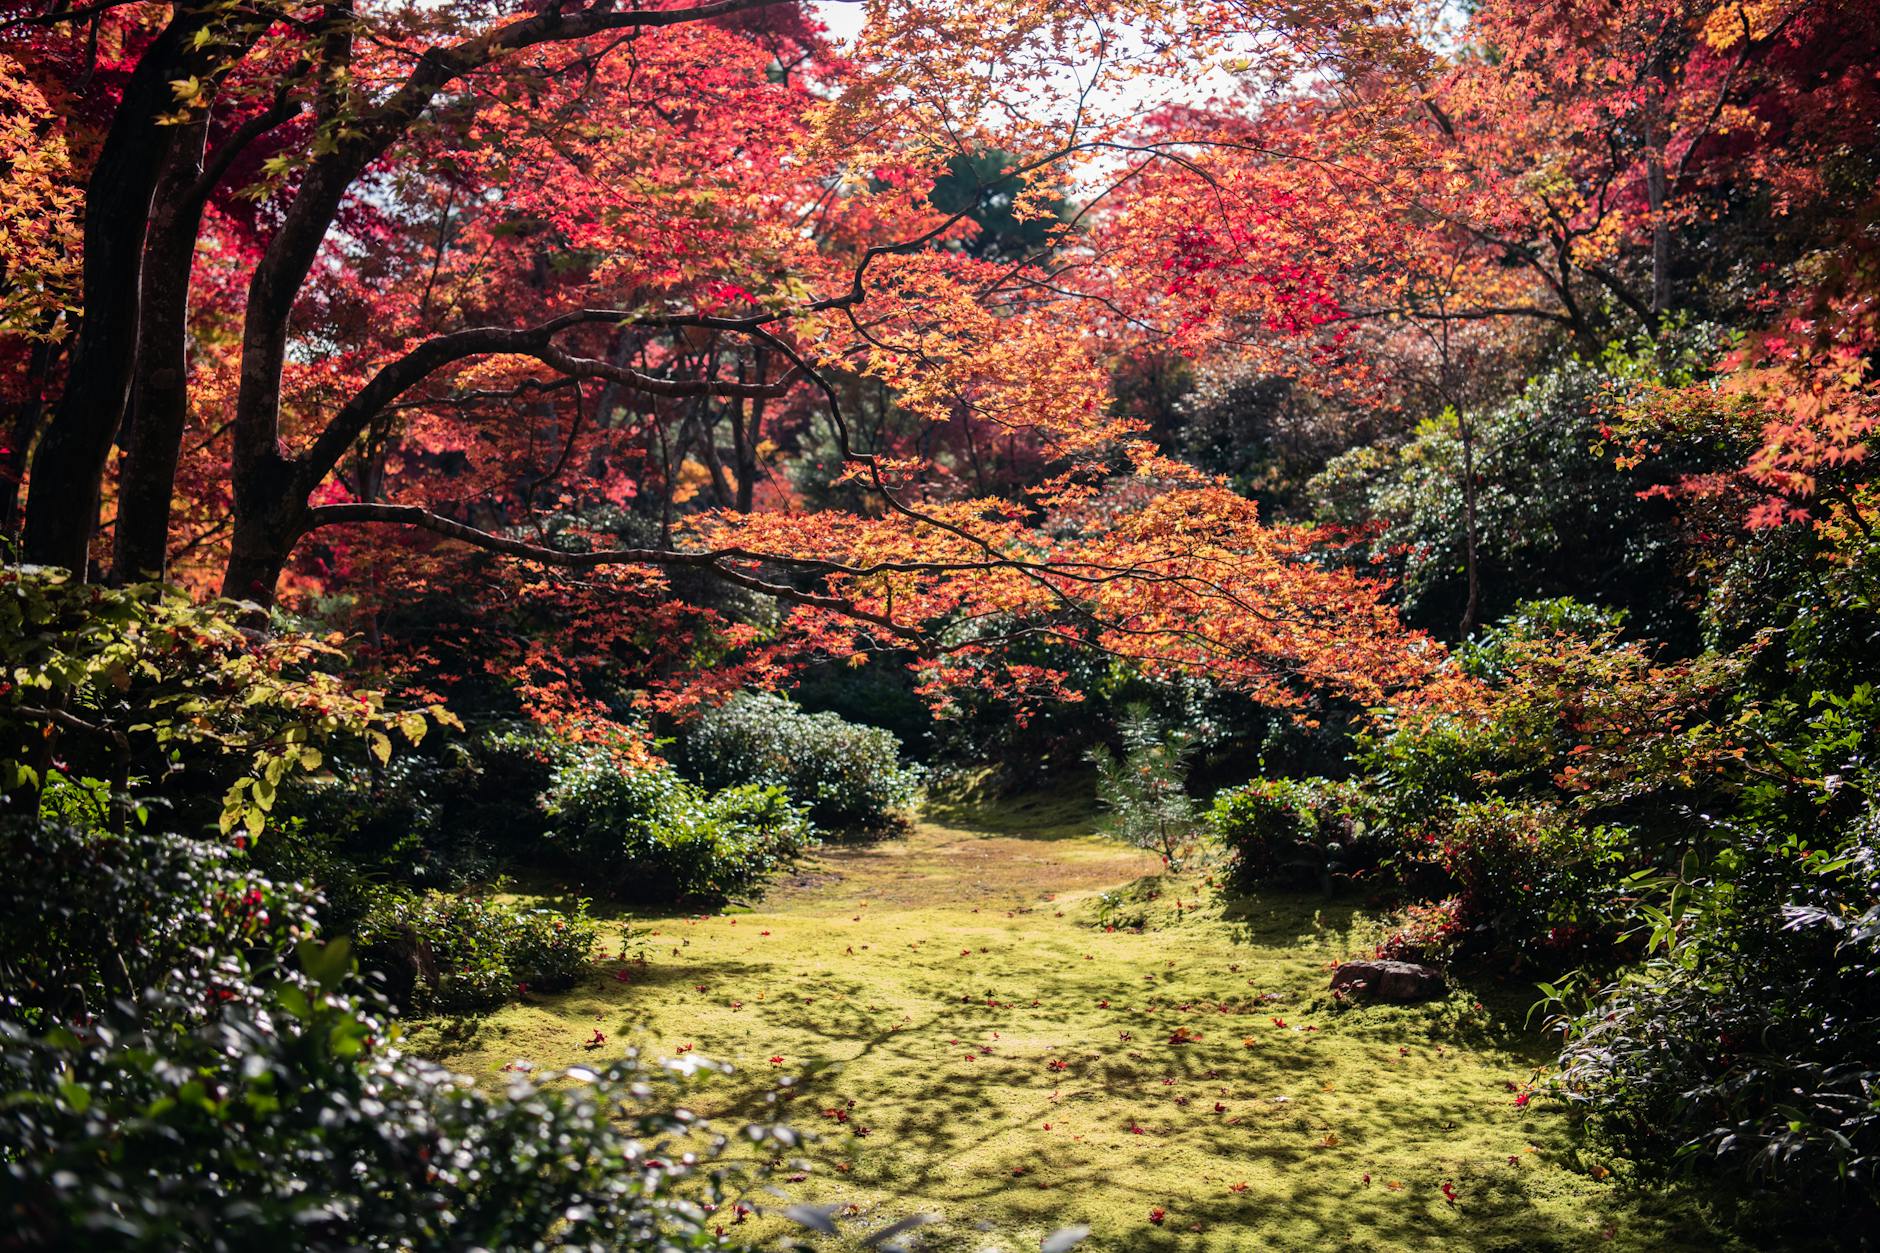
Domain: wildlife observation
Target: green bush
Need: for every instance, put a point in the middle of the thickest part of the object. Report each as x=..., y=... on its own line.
x=186, y=1068
x=1299, y=831
x=847, y=777
x=429, y=819
x=90, y=919
x=1528, y=876
x=650, y=834
x=288, y=1121
x=1751, y=1048
x=454, y=953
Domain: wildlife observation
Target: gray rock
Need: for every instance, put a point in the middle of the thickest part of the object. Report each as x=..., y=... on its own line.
x=1390, y=981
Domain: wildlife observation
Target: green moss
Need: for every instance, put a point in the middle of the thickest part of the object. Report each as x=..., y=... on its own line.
x=970, y=1041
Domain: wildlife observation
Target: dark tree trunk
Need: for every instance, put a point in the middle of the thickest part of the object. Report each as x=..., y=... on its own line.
x=160, y=394
x=20, y=432
x=68, y=467
x=1656, y=193
x=271, y=516
x=1471, y=611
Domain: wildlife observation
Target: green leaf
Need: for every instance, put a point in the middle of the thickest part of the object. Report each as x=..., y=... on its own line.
x=325, y=964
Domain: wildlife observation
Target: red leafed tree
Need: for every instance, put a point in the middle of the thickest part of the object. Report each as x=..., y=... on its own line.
x=586, y=287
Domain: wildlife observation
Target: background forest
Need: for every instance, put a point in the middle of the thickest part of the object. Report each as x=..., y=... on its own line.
x=480, y=479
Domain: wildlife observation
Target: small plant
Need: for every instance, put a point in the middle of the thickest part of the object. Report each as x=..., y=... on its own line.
x=1146, y=787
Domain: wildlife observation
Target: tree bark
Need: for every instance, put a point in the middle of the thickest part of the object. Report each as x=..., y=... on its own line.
x=1656, y=192
x=68, y=467
x=1472, y=608
x=160, y=394
x=27, y=416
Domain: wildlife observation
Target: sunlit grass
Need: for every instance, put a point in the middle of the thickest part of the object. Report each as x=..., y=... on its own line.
x=971, y=1042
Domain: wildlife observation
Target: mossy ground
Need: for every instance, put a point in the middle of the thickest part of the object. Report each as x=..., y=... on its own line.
x=1003, y=1061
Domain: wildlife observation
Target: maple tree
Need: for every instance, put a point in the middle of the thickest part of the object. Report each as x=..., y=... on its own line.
x=345, y=268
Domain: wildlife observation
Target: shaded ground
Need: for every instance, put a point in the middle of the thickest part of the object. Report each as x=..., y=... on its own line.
x=972, y=1042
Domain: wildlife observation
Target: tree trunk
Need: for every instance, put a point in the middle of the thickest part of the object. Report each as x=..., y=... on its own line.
x=270, y=517
x=68, y=467
x=20, y=432
x=1656, y=193
x=1473, y=606
x=160, y=395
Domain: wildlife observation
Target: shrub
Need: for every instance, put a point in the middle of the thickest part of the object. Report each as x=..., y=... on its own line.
x=1570, y=712
x=847, y=777
x=454, y=953
x=1299, y=830
x=1526, y=876
x=88, y=919
x=172, y=700
x=286, y=1121
x=430, y=819
x=1751, y=1049
x=649, y=834
x=220, y=1081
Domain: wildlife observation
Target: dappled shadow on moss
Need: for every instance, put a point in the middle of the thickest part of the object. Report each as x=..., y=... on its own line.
x=1015, y=1066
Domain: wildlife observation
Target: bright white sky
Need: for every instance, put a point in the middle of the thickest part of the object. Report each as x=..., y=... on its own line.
x=845, y=18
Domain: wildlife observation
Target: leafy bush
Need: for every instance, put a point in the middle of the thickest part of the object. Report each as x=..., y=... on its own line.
x=429, y=819
x=1751, y=1049
x=286, y=1120
x=845, y=776
x=649, y=834
x=1527, y=876
x=186, y=1068
x=453, y=953
x=139, y=689
x=1749, y=1044
x=1299, y=830
x=88, y=919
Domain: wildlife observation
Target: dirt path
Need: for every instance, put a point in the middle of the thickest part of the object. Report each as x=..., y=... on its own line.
x=972, y=1041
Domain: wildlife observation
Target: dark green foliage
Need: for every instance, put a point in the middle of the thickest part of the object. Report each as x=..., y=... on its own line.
x=879, y=694
x=428, y=819
x=1751, y=1050
x=1314, y=831
x=1554, y=516
x=648, y=834
x=976, y=184
x=455, y=953
x=89, y=919
x=186, y=1068
x=1749, y=1045
x=287, y=1121
x=847, y=777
